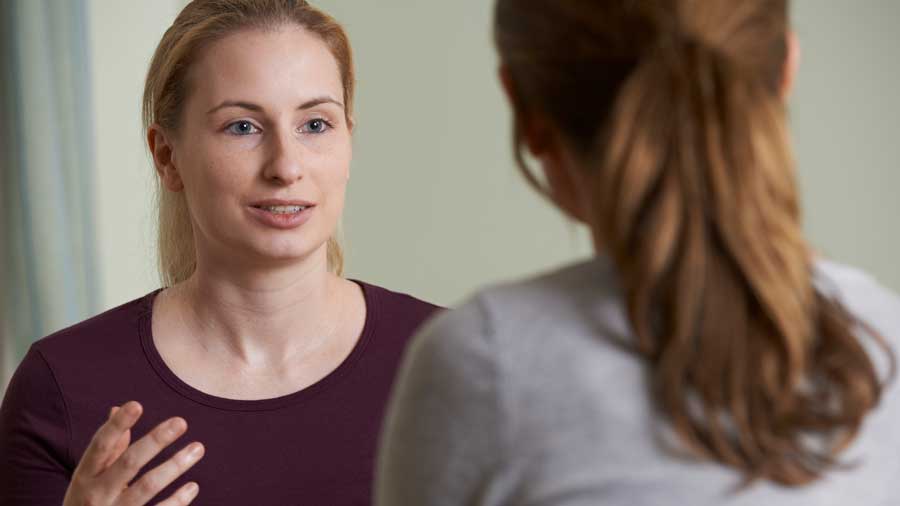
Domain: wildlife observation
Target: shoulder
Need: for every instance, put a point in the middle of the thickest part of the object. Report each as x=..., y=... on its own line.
x=466, y=330
x=875, y=307
x=558, y=289
x=63, y=372
x=510, y=324
x=94, y=355
x=400, y=311
x=532, y=354
x=106, y=334
x=35, y=420
x=843, y=277
x=866, y=298
x=554, y=340
x=571, y=303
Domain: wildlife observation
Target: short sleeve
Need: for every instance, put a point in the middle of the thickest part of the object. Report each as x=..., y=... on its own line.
x=34, y=437
x=442, y=438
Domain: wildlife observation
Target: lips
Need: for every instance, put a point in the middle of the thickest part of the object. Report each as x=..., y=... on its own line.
x=282, y=214
x=282, y=206
x=282, y=209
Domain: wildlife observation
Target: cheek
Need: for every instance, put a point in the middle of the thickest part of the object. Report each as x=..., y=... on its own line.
x=333, y=168
x=218, y=171
x=211, y=186
x=208, y=161
x=334, y=185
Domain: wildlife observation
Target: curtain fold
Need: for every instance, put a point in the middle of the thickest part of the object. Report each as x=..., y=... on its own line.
x=49, y=276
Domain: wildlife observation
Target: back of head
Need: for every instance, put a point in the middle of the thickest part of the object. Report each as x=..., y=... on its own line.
x=201, y=23
x=676, y=109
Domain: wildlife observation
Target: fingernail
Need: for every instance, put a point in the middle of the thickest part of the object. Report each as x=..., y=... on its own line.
x=176, y=425
x=112, y=411
x=132, y=408
x=191, y=489
x=195, y=451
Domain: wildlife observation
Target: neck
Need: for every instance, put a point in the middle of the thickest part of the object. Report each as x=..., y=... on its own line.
x=262, y=316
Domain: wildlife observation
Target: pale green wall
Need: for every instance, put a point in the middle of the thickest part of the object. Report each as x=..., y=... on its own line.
x=436, y=206
x=846, y=120
x=123, y=37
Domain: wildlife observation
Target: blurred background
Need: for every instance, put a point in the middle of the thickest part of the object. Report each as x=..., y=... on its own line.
x=436, y=207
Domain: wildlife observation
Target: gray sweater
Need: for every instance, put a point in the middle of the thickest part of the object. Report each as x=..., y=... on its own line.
x=518, y=398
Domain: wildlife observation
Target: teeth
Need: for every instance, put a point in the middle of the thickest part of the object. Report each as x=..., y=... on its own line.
x=283, y=209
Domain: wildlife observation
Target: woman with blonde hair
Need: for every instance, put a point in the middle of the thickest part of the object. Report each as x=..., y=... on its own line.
x=258, y=352
x=705, y=356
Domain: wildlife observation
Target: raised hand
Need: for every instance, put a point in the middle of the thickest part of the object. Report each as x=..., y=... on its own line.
x=104, y=475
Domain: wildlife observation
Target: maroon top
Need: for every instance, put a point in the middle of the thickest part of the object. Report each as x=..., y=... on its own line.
x=316, y=446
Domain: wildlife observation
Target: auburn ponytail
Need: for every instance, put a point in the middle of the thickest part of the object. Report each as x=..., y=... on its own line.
x=697, y=205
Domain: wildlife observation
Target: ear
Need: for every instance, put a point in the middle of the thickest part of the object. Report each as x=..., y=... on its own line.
x=351, y=127
x=163, y=152
x=791, y=64
x=534, y=129
x=544, y=144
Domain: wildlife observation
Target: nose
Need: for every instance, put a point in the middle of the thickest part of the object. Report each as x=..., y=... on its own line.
x=285, y=164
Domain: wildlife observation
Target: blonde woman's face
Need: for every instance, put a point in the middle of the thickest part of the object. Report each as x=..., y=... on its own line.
x=264, y=149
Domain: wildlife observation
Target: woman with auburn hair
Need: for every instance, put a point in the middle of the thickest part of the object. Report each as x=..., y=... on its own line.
x=258, y=353
x=705, y=356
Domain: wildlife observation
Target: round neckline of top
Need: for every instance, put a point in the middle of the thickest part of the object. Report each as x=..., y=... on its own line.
x=145, y=331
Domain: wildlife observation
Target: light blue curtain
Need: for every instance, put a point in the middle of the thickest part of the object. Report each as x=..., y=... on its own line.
x=49, y=277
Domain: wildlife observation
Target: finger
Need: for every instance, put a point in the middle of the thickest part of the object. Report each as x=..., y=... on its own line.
x=121, y=444
x=161, y=476
x=118, y=450
x=123, y=470
x=107, y=438
x=182, y=496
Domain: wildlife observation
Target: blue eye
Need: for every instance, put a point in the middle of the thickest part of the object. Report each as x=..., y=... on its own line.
x=242, y=128
x=316, y=126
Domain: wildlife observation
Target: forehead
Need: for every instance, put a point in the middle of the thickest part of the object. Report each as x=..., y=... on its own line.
x=285, y=64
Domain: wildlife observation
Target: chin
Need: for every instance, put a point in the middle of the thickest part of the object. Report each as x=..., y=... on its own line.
x=287, y=251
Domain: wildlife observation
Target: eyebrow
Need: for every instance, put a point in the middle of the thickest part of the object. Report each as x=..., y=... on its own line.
x=258, y=108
